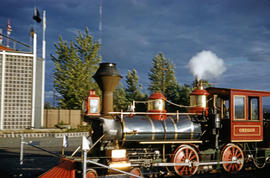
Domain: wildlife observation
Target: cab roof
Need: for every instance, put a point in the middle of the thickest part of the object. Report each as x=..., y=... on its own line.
x=231, y=91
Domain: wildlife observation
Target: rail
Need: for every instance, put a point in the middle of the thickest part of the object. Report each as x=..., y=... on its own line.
x=33, y=144
x=83, y=160
x=191, y=164
x=177, y=114
x=79, y=147
x=170, y=102
x=86, y=147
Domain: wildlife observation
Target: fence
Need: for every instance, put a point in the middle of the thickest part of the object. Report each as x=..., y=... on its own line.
x=53, y=117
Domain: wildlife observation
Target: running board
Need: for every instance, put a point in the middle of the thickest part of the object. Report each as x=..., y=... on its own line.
x=170, y=142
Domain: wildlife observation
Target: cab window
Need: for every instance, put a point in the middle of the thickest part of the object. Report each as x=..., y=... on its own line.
x=254, y=108
x=239, y=107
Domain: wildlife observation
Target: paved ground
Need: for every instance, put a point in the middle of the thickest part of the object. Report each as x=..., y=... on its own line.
x=37, y=162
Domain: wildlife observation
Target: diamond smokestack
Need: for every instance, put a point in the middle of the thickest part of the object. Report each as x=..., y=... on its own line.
x=107, y=78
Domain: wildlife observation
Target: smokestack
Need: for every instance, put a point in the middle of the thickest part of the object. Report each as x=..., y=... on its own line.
x=199, y=84
x=107, y=78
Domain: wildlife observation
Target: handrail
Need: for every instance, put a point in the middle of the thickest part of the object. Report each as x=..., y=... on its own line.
x=151, y=113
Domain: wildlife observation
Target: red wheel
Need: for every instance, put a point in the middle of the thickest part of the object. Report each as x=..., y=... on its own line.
x=232, y=152
x=91, y=173
x=136, y=171
x=186, y=154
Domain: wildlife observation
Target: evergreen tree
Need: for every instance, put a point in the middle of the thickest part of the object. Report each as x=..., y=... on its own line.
x=75, y=63
x=47, y=105
x=120, y=101
x=162, y=74
x=173, y=95
x=162, y=77
x=184, y=98
x=179, y=95
x=133, y=89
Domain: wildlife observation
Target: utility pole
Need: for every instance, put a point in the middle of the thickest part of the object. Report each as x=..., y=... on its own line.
x=43, y=66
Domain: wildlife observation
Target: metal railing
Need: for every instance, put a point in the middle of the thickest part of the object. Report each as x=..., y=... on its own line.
x=33, y=144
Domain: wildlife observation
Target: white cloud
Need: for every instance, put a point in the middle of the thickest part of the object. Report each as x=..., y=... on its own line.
x=49, y=94
x=73, y=30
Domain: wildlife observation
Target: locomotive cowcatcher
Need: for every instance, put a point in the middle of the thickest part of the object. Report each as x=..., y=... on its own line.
x=224, y=129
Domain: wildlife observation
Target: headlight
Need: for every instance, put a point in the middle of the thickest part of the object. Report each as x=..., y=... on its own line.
x=119, y=160
x=119, y=154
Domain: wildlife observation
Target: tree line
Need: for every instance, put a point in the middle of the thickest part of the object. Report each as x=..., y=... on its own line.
x=77, y=61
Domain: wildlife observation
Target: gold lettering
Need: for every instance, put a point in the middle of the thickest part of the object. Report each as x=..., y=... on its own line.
x=245, y=130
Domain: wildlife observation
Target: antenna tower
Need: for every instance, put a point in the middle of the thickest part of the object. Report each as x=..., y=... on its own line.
x=100, y=27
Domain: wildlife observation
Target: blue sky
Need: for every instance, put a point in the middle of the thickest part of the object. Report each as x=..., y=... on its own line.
x=135, y=30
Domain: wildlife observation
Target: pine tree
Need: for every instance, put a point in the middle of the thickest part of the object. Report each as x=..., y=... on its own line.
x=162, y=77
x=162, y=74
x=120, y=101
x=179, y=95
x=133, y=89
x=75, y=64
x=47, y=105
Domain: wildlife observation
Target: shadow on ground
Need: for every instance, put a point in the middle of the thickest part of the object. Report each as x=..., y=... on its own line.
x=33, y=166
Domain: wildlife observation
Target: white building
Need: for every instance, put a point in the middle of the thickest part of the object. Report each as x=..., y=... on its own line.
x=21, y=89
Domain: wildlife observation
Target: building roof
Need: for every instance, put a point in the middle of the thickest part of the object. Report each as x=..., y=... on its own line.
x=4, y=48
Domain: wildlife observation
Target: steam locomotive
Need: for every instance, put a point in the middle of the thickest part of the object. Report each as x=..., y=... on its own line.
x=224, y=129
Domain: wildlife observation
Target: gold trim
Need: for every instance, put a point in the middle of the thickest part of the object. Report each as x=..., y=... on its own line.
x=175, y=129
x=247, y=133
x=124, y=132
x=165, y=129
x=153, y=128
x=170, y=142
x=246, y=141
x=191, y=129
x=189, y=117
x=241, y=120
